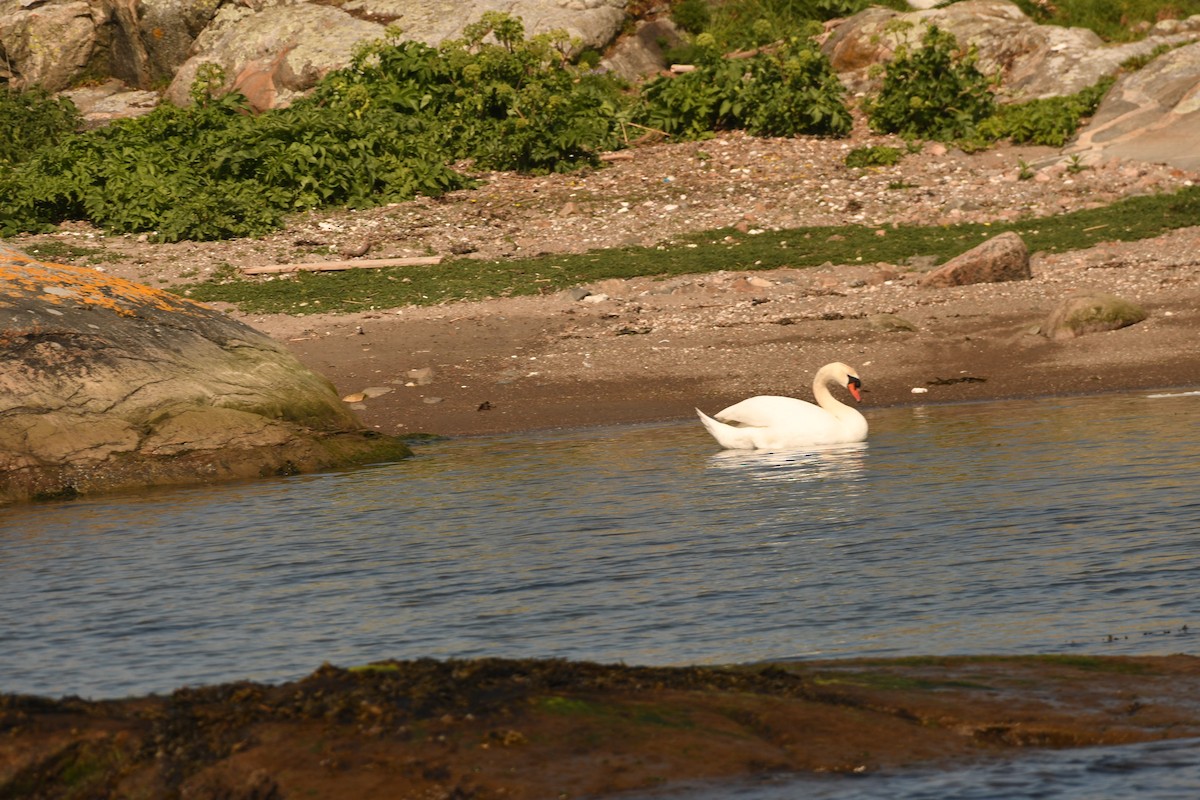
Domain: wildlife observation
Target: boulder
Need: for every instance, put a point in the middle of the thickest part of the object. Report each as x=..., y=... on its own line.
x=168, y=29
x=1090, y=313
x=109, y=385
x=100, y=104
x=1150, y=115
x=1001, y=258
x=640, y=55
x=45, y=45
x=274, y=54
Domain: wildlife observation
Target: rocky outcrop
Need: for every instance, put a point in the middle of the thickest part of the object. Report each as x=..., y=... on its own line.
x=1152, y=114
x=108, y=385
x=1090, y=313
x=1033, y=60
x=51, y=43
x=274, y=51
x=1001, y=258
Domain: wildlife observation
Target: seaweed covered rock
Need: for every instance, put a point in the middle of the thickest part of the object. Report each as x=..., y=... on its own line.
x=1090, y=313
x=106, y=384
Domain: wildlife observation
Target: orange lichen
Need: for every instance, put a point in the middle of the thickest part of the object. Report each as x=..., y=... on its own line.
x=22, y=277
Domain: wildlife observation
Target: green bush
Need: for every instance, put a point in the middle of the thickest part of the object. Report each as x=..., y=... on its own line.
x=784, y=91
x=30, y=120
x=933, y=92
x=382, y=130
x=1050, y=121
x=747, y=24
x=692, y=16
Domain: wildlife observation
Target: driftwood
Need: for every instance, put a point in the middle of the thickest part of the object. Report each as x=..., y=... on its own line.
x=333, y=266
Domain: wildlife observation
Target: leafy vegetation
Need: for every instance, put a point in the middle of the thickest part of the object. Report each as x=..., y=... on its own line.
x=932, y=92
x=389, y=126
x=31, y=120
x=748, y=24
x=1050, y=121
x=1133, y=218
x=386, y=129
x=788, y=90
x=874, y=156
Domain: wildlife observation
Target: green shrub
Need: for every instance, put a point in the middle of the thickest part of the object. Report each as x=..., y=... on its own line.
x=1049, y=121
x=747, y=24
x=788, y=90
x=30, y=120
x=692, y=16
x=382, y=130
x=933, y=92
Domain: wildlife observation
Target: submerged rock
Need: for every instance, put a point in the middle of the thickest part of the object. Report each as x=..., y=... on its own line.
x=109, y=385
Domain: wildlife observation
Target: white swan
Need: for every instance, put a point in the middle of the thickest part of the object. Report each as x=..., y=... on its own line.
x=783, y=423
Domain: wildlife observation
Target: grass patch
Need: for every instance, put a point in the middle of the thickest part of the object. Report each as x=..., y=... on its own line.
x=67, y=253
x=724, y=249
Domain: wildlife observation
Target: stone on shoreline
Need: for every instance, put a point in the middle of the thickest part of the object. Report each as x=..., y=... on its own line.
x=1001, y=258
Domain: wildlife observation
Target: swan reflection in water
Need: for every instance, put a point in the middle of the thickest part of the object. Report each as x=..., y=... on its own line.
x=843, y=462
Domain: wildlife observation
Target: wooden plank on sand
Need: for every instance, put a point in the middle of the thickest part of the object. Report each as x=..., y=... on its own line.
x=333, y=266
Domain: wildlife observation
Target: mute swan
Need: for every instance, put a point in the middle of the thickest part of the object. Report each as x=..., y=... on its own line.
x=782, y=423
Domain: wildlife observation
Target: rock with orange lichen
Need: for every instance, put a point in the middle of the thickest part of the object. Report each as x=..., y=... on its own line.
x=106, y=384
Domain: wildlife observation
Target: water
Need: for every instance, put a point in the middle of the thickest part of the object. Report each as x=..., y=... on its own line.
x=1063, y=525
x=1057, y=525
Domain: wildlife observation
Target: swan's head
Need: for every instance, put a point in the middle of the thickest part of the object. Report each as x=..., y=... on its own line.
x=844, y=375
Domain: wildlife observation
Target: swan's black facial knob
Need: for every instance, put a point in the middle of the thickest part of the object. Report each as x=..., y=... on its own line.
x=855, y=385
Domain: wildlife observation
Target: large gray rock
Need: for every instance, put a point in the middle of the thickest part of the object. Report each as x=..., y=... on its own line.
x=640, y=55
x=168, y=29
x=1150, y=115
x=46, y=45
x=110, y=385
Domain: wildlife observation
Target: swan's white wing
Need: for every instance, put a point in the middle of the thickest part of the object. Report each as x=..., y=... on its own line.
x=768, y=411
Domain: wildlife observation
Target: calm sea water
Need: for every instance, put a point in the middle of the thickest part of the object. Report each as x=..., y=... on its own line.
x=1056, y=525
x=1059, y=525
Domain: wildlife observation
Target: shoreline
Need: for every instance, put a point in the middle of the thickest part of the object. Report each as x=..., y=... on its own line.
x=648, y=350
x=492, y=728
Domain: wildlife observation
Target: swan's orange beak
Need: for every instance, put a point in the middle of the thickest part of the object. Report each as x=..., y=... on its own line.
x=854, y=386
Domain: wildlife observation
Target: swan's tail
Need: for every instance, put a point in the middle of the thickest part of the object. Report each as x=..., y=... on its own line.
x=727, y=436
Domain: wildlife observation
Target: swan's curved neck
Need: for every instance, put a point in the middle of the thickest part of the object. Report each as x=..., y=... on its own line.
x=825, y=398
